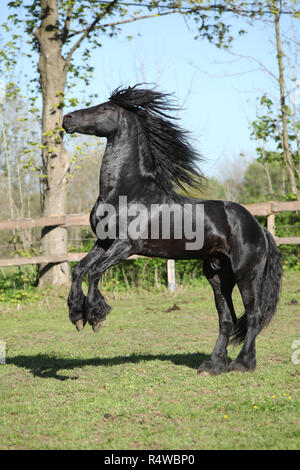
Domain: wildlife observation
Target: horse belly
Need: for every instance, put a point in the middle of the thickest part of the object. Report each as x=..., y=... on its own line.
x=171, y=249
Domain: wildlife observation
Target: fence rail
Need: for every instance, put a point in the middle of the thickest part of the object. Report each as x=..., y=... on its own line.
x=268, y=209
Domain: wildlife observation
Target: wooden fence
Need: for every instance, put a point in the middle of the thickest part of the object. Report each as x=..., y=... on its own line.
x=268, y=209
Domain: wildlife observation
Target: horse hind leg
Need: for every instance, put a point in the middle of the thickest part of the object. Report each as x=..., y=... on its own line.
x=248, y=326
x=219, y=274
x=260, y=288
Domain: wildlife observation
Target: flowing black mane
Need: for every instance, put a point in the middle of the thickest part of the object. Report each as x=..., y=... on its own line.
x=174, y=158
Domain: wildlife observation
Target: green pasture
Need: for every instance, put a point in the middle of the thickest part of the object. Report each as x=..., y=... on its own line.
x=134, y=385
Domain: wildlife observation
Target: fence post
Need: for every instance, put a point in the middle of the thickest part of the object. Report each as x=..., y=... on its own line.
x=271, y=224
x=171, y=275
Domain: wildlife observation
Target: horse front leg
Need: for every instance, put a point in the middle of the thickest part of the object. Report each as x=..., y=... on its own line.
x=76, y=298
x=95, y=306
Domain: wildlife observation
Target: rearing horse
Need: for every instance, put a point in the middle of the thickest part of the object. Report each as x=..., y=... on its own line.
x=146, y=156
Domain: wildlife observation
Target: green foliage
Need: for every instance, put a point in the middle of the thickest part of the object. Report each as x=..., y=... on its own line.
x=267, y=131
x=80, y=21
x=18, y=285
x=255, y=186
x=288, y=225
x=150, y=274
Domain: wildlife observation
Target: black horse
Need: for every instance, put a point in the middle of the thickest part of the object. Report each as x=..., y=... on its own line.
x=146, y=157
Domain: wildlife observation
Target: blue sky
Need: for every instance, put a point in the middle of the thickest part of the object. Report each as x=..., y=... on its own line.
x=218, y=96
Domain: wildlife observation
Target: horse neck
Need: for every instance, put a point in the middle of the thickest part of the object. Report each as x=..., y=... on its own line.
x=127, y=163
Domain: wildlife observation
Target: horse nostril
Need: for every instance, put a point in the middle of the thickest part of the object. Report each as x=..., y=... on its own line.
x=68, y=117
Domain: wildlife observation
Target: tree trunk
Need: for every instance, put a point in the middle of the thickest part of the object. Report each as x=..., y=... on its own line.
x=9, y=188
x=285, y=138
x=52, y=70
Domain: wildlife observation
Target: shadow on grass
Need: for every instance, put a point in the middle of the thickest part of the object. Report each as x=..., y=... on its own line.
x=46, y=366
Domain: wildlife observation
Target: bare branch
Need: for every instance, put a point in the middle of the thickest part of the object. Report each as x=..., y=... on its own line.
x=131, y=20
x=67, y=23
x=137, y=18
x=180, y=10
x=261, y=64
x=90, y=28
x=221, y=8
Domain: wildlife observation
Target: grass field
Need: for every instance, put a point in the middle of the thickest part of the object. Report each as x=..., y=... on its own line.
x=134, y=385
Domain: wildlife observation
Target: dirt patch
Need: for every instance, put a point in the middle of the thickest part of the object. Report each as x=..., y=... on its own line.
x=171, y=309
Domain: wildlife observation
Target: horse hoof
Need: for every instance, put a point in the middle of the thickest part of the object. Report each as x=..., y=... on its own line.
x=237, y=366
x=204, y=373
x=97, y=326
x=79, y=324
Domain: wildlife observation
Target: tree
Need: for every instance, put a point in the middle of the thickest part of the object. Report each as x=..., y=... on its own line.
x=255, y=186
x=277, y=146
x=279, y=124
x=287, y=154
x=55, y=30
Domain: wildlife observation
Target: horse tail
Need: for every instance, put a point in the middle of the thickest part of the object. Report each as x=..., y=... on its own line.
x=270, y=288
x=270, y=285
